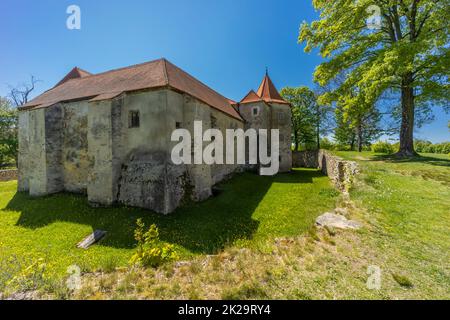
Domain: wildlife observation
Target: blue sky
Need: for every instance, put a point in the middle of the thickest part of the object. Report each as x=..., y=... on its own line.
x=227, y=44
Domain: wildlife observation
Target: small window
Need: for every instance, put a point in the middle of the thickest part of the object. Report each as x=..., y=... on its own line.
x=178, y=125
x=280, y=116
x=133, y=119
x=255, y=111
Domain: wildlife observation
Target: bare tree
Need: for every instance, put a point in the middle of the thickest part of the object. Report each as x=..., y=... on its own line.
x=20, y=94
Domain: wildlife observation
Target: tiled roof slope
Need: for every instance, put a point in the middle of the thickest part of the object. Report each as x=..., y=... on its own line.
x=75, y=73
x=155, y=74
x=251, y=97
x=269, y=93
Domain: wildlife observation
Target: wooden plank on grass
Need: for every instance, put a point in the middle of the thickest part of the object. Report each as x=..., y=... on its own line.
x=92, y=239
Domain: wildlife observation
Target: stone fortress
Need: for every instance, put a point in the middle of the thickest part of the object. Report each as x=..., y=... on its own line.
x=108, y=135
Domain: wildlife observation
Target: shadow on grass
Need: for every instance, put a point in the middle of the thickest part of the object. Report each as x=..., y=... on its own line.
x=205, y=227
x=418, y=159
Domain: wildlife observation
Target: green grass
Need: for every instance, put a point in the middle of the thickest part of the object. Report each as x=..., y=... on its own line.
x=250, y=211
x=409, y=205
x=404, y=206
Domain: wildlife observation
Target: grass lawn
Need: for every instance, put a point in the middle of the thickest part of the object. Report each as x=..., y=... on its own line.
x=405, y=209
x=249, y=212
x=255, y=241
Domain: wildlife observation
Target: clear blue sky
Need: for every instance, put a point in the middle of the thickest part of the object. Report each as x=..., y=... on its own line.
x=225, y=43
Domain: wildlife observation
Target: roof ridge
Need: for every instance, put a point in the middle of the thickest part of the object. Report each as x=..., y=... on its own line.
x=195, y=79
x=121, y=68
x=166, y=74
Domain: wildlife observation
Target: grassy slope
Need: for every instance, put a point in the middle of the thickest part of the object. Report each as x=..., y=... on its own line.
x=405, y=207
x=249, y=211
x=409, y=206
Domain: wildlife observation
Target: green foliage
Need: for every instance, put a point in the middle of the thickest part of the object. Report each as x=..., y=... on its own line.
x=383, y=147
x=8, y=132
x=304, y=104
x=408, y=54
x=428, y=147
x=327, y=144
x=357, y=129
x=402, y=280
x=151, y=251
x=20, y=274
x=309, y=118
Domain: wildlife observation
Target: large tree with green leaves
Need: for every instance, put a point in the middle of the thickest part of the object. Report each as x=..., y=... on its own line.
x=357, y=129
x=310, y=120
x=8, y=131
x=303, y=102
x=408, y=52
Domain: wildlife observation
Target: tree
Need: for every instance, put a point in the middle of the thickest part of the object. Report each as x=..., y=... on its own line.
x=323, y=116
x=8, y=131
x=359, y=129
x=344, y=134
x=409, y=53
x=310, y=120
x=303, y=103
x=20, y=94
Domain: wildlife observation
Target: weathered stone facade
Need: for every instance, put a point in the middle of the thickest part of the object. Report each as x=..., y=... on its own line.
x=340, y=171
x=8, y=175
x=271, y=116
x=90, y=146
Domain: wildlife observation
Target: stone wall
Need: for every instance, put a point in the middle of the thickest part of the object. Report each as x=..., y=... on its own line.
x=340, y=171
x=74, y=157
x=8, y=175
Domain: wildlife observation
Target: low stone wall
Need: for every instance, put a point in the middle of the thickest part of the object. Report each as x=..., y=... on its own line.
x=8, y=175
x=340, y=171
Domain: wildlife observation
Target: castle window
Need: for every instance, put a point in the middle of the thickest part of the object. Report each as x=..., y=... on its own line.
x=178, y=125
x=133, y=119
x=280, y=116
x=255, y=111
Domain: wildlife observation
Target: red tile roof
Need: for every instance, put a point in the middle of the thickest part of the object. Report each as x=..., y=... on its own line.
x=251, y=97
x=154, y=74
x=75, y=73
x=269, y=93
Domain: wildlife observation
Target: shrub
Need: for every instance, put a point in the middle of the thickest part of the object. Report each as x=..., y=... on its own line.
x=326, y=144
x=422, y=146
x=3, y=154
x=383, y=147
x=151, y=251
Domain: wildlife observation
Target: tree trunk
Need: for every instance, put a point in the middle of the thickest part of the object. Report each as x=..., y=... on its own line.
x=407, y=126
x=318, y=137
x=352, y=144
x=360, y=138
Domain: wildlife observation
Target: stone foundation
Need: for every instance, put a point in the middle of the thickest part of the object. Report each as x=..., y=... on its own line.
x=340, y=171
x=8, y=175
